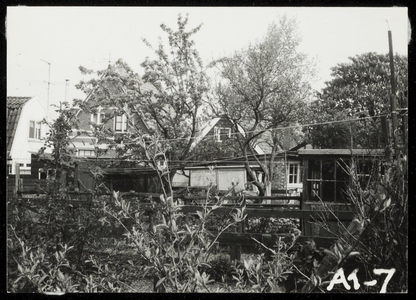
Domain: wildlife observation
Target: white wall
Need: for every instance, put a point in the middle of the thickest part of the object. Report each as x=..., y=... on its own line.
x=22, y=146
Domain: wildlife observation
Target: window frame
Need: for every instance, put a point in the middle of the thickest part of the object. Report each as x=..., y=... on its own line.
x=123, y=123
x=315, y=185
x=37, y=130
x=100, y=116
x=298, y=174
x=91, y=151
x=218, y=133
x=40, y=172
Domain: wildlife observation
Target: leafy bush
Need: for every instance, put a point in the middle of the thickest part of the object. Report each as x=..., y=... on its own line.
x=260, y=275
x=38, y=270
x=219, y=268
x=272, y=225
x=378, y=236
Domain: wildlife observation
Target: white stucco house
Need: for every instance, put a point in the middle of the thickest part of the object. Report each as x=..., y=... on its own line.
x=25, y=131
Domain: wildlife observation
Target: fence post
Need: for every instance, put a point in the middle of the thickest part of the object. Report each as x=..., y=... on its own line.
x=17, y=178
x=235, y=249
x=301, y=223
x=266, y=239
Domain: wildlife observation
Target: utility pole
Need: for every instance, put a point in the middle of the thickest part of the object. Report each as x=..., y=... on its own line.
x=393, y=97
x=403, y=104
x=49, y=85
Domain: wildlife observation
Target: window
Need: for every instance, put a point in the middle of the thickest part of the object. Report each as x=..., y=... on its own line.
x=9, y=169
x=222, y=134
x=34, y=130
x=120, y=123
x=294, y=173
x=86, y=153
x=368, y=170
x=41, y=174
x=327, y=180
x=97, y=117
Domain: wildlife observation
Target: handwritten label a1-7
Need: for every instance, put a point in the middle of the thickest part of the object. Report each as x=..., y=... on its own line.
x=339, y=278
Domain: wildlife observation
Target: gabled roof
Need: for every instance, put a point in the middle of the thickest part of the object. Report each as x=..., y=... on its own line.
x=14, y=109
x=121, y=70
x=211, y=124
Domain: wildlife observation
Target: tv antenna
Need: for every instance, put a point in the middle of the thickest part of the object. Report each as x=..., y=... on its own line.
x=49, y=86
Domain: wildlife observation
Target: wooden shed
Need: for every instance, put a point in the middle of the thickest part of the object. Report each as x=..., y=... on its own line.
x=326, y=177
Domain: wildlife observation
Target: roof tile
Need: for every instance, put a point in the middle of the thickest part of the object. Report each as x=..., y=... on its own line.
x=14, y=109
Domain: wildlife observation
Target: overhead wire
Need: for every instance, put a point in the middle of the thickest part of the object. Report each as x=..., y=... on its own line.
x=229, y=159
x=276, y=128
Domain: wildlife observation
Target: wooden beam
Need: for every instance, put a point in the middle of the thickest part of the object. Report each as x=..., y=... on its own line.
x=17, y=177
x=277, y=213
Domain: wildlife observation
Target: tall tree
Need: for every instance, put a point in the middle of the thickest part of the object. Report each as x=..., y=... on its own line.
x=359, y=89
x=263, y=87
x=167, y=98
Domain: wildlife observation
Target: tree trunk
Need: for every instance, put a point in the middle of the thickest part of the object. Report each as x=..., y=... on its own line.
x=268, y=189
x=259, y=186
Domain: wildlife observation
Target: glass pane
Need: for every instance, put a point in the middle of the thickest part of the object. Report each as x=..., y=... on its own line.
x=32, y=129
x=313, y=190
x=328, y=191
x=328, y=170
x=119, y=123
x=314, y=171
x=342, y=170
x=224, y=133
x=341, y=189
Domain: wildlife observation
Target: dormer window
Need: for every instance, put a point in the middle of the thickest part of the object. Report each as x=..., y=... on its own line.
x=97, y=117
x=86, y=153
x=120, y=123
x=34, y=130
x=222, y=134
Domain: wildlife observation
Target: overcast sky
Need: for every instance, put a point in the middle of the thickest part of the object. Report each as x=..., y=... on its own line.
x=69, y=37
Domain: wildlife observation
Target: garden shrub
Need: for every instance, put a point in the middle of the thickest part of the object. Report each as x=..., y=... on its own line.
x=261, y=275
x=378, y=236
x=219, y=268
x=272, y=225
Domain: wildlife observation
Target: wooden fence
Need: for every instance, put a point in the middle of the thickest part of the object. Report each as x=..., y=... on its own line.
x=239, y=238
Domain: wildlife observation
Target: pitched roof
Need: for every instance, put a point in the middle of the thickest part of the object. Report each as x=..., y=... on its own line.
x=342, y=152
x=14, y=109
x=211, y=124
x=121, y=70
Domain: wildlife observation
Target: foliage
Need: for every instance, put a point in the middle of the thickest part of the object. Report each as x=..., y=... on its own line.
x=41, y=226
x=383, y=204
x=272, y=225
x=219, y=268
x=38, y=270
x=268, y=79
x=173, y=250
x=378, y=236
x=359, y=89
x=266, y=276
x=165, y=102
x=59, y=140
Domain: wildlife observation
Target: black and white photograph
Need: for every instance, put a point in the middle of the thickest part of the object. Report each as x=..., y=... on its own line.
x=189, y=149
